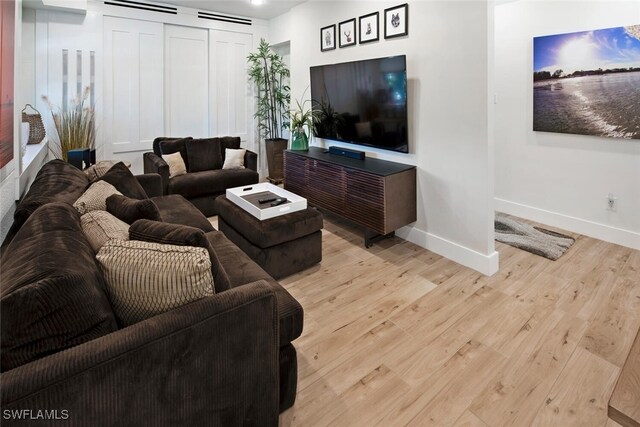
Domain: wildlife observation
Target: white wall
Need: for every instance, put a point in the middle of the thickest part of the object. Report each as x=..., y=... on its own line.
x=560, y=179
x=448, y=50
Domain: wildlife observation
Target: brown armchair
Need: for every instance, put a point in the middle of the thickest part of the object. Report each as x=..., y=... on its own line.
x=205, y=179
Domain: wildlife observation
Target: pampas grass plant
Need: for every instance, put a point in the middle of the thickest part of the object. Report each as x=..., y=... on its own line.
x=74, y=125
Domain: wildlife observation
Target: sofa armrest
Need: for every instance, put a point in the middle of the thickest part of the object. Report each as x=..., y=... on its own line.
x=156, y=164
x=251, y=160
x=151, y=183
x=211, y=362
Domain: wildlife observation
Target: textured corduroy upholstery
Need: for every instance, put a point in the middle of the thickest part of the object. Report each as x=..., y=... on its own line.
x=283, y=245
x=52, y=294
x=205, y=179
x=213, y=362
x=216, y=361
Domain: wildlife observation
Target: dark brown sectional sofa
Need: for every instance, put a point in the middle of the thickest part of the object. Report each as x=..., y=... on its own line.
x=205, y=179
x=225, y=360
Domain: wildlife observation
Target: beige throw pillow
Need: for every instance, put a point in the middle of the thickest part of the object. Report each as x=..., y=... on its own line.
x=100, y=226
x=234, y=159
x=95, y=197
x=176, y=164
x=145, y=279
x=99, y=169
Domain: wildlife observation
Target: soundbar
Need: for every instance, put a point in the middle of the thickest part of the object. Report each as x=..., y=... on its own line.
x=339, y=151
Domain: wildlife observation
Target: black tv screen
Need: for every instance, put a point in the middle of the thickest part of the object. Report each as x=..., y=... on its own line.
x=362, y=102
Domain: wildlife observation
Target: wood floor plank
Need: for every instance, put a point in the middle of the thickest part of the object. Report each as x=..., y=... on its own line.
x=580, y=396
x=397, y=335
x=469, y=419
x=624, y=405
x=612, y=331
x=513, y=396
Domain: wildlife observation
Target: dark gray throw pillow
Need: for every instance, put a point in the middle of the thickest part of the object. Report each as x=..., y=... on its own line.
x=204, y=154
x=121, y=177
x=181, y=235
x=130, y=210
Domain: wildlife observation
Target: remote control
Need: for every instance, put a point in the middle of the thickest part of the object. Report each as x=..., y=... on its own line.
x=267, y=199
x=279, y=201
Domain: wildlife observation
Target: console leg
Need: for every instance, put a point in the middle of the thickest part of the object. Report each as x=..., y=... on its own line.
x=370, y=237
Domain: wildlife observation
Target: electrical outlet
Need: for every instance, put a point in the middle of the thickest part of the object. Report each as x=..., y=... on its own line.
x=611, y=202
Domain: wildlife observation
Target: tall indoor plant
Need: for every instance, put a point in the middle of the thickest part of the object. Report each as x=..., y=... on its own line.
x=270, y=75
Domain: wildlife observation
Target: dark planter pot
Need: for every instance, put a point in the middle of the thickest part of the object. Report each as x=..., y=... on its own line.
x=82, y=157
x=275, y=158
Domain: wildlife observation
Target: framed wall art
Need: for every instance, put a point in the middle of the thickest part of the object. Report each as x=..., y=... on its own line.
x=328, y=38
x=587, y=83
x=347, y=32
x=369, y=27
x=396, y=21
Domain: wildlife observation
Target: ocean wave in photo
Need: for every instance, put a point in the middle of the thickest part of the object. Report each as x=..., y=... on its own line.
x=603, y=105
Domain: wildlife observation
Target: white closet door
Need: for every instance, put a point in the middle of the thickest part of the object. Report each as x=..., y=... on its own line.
x=230, y=93
x=133, y=87
x=186, y=81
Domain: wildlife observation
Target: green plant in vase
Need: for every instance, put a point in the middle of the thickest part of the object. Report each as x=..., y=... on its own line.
x=302, y=119
x=75, y=126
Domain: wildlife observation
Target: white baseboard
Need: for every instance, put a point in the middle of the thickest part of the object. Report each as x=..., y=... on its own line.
x=604, y=232
x=485, y=264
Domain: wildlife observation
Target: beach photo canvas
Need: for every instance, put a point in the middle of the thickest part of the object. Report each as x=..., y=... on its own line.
x=588, y=83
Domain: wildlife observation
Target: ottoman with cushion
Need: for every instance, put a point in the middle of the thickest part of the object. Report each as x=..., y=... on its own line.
x=282, y=246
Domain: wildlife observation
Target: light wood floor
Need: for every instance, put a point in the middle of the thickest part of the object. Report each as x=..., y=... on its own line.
x=396, y=335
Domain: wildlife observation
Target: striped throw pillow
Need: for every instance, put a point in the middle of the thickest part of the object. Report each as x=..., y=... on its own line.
x=145, y=279
x=95, y=198
x=100, y=226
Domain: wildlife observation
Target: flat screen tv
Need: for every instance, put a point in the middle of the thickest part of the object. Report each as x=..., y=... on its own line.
x=362, y=102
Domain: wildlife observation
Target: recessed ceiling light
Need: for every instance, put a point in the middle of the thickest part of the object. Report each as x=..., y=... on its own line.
x=257, y=2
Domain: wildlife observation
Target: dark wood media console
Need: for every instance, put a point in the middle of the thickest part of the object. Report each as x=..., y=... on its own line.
x=378, y=194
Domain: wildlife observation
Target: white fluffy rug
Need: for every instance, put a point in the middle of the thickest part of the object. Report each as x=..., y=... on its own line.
x=531, y=239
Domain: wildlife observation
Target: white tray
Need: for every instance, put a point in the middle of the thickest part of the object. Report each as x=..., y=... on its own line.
x=296, y=203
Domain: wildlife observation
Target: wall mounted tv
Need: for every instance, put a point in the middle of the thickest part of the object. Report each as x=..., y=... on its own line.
x=362, y=102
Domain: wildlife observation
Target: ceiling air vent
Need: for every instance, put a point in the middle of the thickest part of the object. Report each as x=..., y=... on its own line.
x=143, y=6
x=223, y=18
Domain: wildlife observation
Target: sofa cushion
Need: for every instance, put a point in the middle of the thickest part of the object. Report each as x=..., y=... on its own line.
x=95, y=198
x=211, y=182
x=204, y=154
x=121, y=177
x=57, y=181
x=145, y=279
x=52, y=295
x=273, y=231
x=100, y=226
x=232, y=142
x=175, y=209
x=130, y=210
x=173, y=145
x=240, y=270
x=181, y=235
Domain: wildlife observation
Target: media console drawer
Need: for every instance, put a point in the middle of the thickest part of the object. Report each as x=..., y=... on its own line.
x=377, y=194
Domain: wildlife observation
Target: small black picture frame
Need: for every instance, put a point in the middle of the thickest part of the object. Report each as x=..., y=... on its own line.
x=396, y=21
x=328, y=38
x=347, y=33
x=369, y=27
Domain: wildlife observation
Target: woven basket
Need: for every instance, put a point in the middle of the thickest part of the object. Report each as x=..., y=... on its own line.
x=36, y=127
